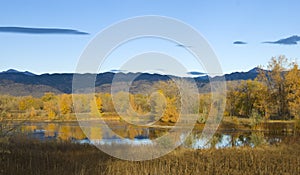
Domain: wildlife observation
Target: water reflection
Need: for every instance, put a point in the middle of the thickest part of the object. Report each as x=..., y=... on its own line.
x=129, y=134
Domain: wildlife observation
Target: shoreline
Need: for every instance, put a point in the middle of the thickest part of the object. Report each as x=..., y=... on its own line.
x=224, y=126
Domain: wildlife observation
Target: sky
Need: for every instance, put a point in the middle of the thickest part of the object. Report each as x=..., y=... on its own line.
x=49, y=36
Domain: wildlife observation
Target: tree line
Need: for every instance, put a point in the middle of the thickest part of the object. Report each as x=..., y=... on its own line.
x=273, y=94
x=163, y=102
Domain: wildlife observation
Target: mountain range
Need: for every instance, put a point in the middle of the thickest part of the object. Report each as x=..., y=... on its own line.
x=13, y=82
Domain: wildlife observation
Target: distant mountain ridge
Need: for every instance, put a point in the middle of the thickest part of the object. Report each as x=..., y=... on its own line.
x=18, y=83
x=18, y=72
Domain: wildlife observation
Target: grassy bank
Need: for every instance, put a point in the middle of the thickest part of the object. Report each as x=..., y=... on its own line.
x=29, y=157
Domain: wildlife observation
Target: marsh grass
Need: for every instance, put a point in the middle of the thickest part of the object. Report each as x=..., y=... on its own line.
x=21, y=156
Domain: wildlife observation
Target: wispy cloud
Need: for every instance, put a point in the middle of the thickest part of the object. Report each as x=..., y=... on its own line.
x=118, y=70
x=184, y=46
x=239, y=42
x=31, y=30
x=293, y=40
x=195, y=73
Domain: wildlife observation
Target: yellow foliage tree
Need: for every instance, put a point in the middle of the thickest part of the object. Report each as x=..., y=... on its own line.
x=26, y=103
x=32, y=112
x=171, y=112
x=51, y=109
x=50, y=105
x=96, y=106
x=65, y=104
x=275, y=81
x=293, y=88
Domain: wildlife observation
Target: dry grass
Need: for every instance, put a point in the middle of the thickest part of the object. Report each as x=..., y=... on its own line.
x=31, y=157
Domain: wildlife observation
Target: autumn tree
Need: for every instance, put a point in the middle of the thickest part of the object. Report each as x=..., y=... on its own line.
x=175, y=96
x=275, y=81
x=292, y=86
x=171, y=112
x=48, y=96
x=81, y=103
x=204, y=107
x=50, y=105
x=7, y=105
x=231, y=101
x=29, y=105
x=168, y=88
x=27, y=102
x=261, y=102
x=169, y=100
x=121, y=102
x=157, y=103
x=96, y=106
x=140, y=104
x=247, y=97
x=107, y=104
x=65, y=104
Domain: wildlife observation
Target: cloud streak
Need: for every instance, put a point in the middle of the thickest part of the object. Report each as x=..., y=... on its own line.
x=184, y=46
x=118, y=70
x=293, y=40
x=239, y=42
x=195, y=73
x=41, y=31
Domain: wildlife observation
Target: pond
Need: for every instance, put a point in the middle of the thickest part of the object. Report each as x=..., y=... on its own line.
x=96, y=133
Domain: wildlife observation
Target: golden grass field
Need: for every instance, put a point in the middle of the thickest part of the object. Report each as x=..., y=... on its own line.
x=21, y=156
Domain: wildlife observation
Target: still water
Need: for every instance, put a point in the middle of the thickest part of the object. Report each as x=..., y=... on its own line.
x=96, y=133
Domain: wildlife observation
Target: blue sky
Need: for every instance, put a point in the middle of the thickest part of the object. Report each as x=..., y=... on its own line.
x=220, y=22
